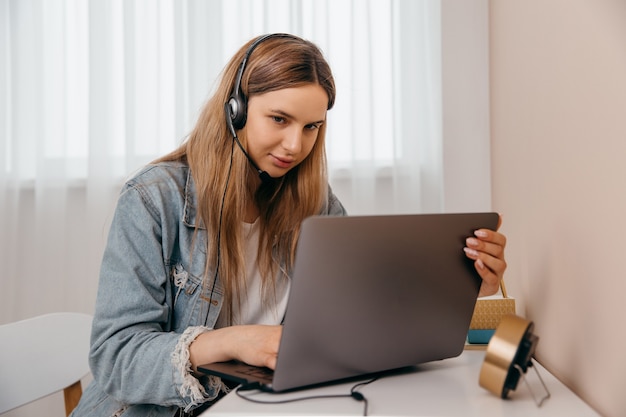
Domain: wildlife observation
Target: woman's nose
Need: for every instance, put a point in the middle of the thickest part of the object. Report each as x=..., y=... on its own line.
x=292, y=142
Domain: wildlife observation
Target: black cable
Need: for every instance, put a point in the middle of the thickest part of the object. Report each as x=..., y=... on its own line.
x=353, y=394
x=360, y=397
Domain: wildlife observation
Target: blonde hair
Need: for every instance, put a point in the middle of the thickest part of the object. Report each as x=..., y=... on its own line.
x=276, y=63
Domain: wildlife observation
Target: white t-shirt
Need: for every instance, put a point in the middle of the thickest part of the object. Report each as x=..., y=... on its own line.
x=252, y=310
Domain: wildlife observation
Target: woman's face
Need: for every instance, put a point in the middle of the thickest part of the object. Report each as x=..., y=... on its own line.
x=283, y=125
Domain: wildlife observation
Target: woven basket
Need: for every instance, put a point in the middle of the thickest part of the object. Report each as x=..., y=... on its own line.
x=489, y=311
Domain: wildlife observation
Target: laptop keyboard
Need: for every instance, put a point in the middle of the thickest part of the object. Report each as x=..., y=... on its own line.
x=257, y=372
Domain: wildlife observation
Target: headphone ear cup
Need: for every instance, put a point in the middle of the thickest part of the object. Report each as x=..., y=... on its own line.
x=238, y=111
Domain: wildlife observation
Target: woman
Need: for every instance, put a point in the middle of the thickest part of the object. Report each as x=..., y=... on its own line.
x=201, y=247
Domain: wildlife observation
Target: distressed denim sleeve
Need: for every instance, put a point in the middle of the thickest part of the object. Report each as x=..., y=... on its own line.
x=134, y=356
x=188, y=385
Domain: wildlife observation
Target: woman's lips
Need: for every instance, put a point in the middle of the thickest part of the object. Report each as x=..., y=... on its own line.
x=283, y=162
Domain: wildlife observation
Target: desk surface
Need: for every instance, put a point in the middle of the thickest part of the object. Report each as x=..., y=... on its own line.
x=443, y=388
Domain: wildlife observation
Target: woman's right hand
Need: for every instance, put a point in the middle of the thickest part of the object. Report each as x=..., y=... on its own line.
x=253, y=344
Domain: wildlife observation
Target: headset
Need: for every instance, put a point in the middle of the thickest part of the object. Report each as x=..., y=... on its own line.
x=237, y=104
x=236, y=107
x=236, y=111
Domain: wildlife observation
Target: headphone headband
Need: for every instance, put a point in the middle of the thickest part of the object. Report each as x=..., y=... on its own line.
x=237, y=104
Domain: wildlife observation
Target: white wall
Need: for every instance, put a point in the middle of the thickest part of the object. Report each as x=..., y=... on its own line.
x=558, y=118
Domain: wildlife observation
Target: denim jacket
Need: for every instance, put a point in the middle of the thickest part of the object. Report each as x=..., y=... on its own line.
x=150, y=304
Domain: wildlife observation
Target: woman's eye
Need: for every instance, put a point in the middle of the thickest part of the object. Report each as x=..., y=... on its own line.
x=312, y=126
x=278, y=119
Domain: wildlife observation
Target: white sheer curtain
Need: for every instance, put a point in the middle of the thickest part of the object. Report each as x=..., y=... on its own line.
x=91, y=90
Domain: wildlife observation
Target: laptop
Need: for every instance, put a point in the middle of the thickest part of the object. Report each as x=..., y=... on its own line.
x=371, y=294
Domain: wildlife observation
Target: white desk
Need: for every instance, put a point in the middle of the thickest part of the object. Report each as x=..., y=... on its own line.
x=444, y=388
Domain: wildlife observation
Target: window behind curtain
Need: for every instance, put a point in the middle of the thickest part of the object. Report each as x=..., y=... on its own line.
x=101, y=87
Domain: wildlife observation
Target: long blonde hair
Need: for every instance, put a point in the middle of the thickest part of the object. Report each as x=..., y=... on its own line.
x=276, y=63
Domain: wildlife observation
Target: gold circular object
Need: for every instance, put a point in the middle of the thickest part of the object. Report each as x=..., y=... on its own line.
x=512, y=344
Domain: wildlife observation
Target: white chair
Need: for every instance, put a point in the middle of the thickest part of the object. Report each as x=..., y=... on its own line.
x=41, y=356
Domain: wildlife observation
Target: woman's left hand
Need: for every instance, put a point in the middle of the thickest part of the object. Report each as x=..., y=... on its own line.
x=486, y=248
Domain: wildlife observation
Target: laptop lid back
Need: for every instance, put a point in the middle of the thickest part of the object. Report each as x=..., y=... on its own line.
x=374, y=293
